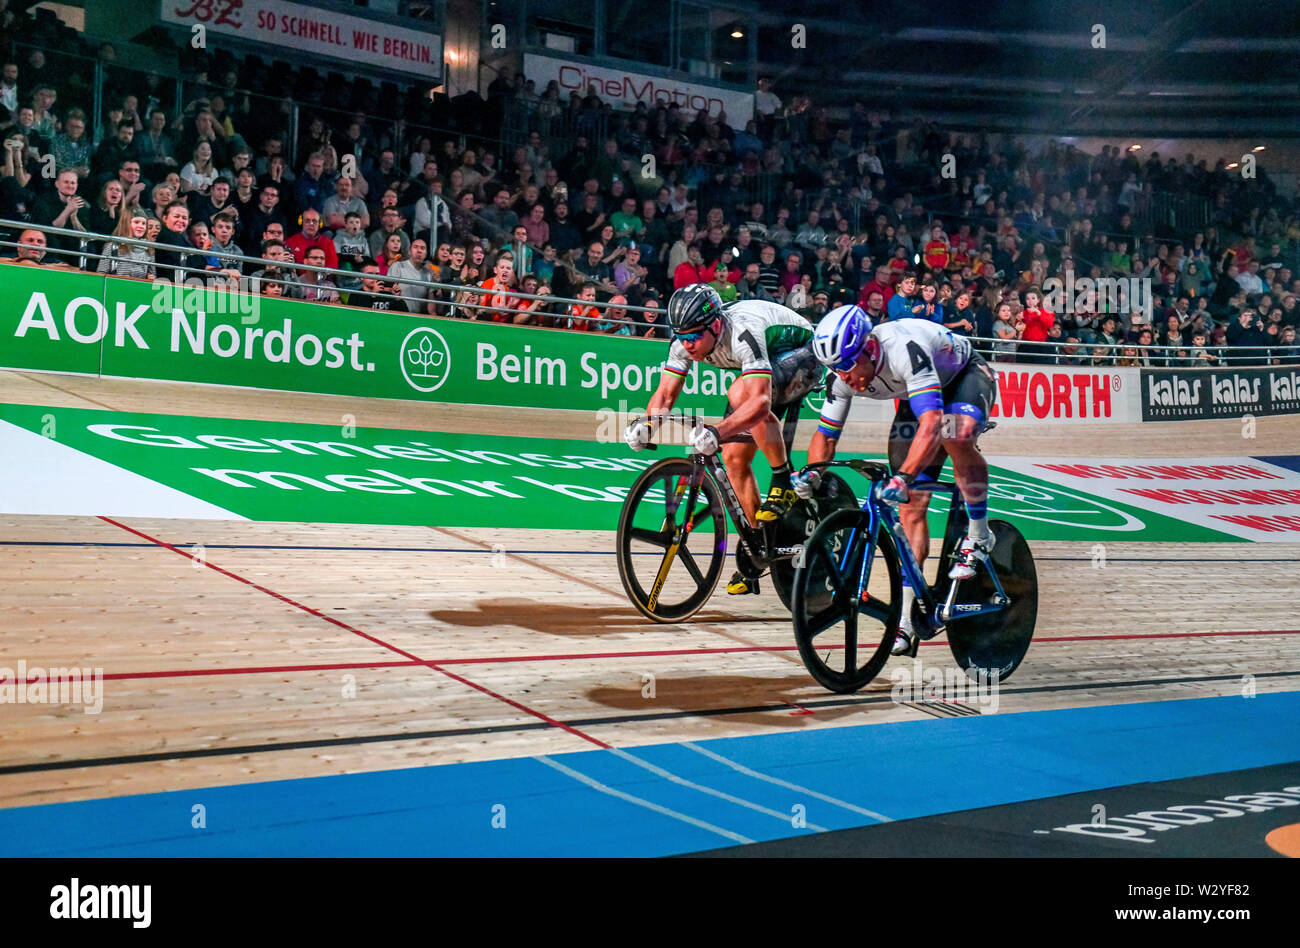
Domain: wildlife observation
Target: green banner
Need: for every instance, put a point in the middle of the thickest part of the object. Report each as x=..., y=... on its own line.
x=279, y=471
x=73, y=322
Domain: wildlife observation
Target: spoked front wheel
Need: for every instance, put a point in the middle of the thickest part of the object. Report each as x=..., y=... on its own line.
x=844, y=638
x=672, y=540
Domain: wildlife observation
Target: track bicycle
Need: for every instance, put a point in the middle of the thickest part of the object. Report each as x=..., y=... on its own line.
x=672, y=531
x=847, y=595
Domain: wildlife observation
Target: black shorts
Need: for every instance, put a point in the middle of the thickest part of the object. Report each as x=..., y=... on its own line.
x=972, y=391
x=795, y=373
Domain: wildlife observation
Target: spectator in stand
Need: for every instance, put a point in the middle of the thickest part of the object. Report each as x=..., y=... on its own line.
x=390, y=253
x=266, y=213
x=31, y=249
x=391, y=223
x=200, y=172
x=654, y=327
x=175, y=222
x=961, y=318
x=583, y=316
x=335, y=209
x=71, y=148
x=907, y=302
x=533, y=312
x=519, y=248
x=1286, y=351
x=629, y=275
x=223, y=227
x=155, y=147
x=726, y=289
x=1248, y=331
x=61, y=208
x=1004, y=350
x=128, y=260
x=414, y=267
x=593, y=268
x=106, y=213
x=312, y=187
x=1037, y=321
x=375, y=293
x=750, y=286
x=110, y=154
x=312, y=236
x=793, y=273
x=693, y=270
x=317, y=287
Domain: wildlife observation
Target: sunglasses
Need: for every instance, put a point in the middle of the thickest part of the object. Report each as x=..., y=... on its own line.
x=688, y=336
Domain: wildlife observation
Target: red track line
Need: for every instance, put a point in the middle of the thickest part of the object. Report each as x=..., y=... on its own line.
x=584, y=656
x=365, y=635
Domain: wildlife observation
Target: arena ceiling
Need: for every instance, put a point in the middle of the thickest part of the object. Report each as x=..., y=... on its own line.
x=1205, y=67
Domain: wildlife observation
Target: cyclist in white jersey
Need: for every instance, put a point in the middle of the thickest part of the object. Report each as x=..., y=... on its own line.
x=772, y=347
x=945, y=391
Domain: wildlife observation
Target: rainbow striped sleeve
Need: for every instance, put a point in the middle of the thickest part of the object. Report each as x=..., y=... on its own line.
x=679, y=371
x=830, y=427
x=757, y=372
x=926, y=398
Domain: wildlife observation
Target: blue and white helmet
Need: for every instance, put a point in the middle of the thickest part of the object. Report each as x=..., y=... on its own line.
x=840, y=336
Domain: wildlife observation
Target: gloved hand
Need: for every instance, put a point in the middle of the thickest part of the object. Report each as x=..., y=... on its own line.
x=805, y=485
x=637, y=435
x=704, y=439
x=895, y=490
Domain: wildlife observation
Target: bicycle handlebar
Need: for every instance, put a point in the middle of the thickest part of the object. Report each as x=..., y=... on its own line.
x=876, y=471
x=692, y=420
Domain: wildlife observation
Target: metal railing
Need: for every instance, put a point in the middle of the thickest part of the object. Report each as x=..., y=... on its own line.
x=456, y=297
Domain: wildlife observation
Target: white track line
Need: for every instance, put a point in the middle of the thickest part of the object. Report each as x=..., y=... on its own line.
x=785, y=783
x=682, y=781
x=603, y=788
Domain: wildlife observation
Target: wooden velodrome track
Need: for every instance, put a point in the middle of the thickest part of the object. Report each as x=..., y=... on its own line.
x=235, y=670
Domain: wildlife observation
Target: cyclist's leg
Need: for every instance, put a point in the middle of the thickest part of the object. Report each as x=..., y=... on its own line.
x=912, y=515
x=795, y=373
x=968, y=401
x=739, y=460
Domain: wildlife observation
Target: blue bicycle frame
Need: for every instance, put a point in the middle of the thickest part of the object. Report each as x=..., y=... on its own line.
x=881, y=513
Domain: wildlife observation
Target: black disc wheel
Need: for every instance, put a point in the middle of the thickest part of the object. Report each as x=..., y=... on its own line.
x=844, y=636
x=833, y=493
x=672, y=540
x=996, y=642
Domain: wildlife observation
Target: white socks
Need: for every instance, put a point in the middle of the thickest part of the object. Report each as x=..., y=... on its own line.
x=909, y=597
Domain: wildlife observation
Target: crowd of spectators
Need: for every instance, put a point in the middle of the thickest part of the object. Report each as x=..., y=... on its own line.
x=596, y=236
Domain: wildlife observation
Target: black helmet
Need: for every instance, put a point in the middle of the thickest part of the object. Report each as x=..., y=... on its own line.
x=692, y=307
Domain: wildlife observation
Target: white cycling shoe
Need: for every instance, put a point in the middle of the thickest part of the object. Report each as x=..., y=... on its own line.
x=902, y=643
x=973, y=551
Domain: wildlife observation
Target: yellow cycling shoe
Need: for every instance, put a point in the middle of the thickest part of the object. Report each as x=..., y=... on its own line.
x=740, y=584
x=778, y=504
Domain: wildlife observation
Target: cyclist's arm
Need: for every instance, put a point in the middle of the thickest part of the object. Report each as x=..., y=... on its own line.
x=671, y=380
x=925, y=443
x=753, y=403
x=925, y=398
x=831, y=423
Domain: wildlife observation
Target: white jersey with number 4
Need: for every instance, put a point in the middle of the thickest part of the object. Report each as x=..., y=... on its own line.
x=917, y=359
